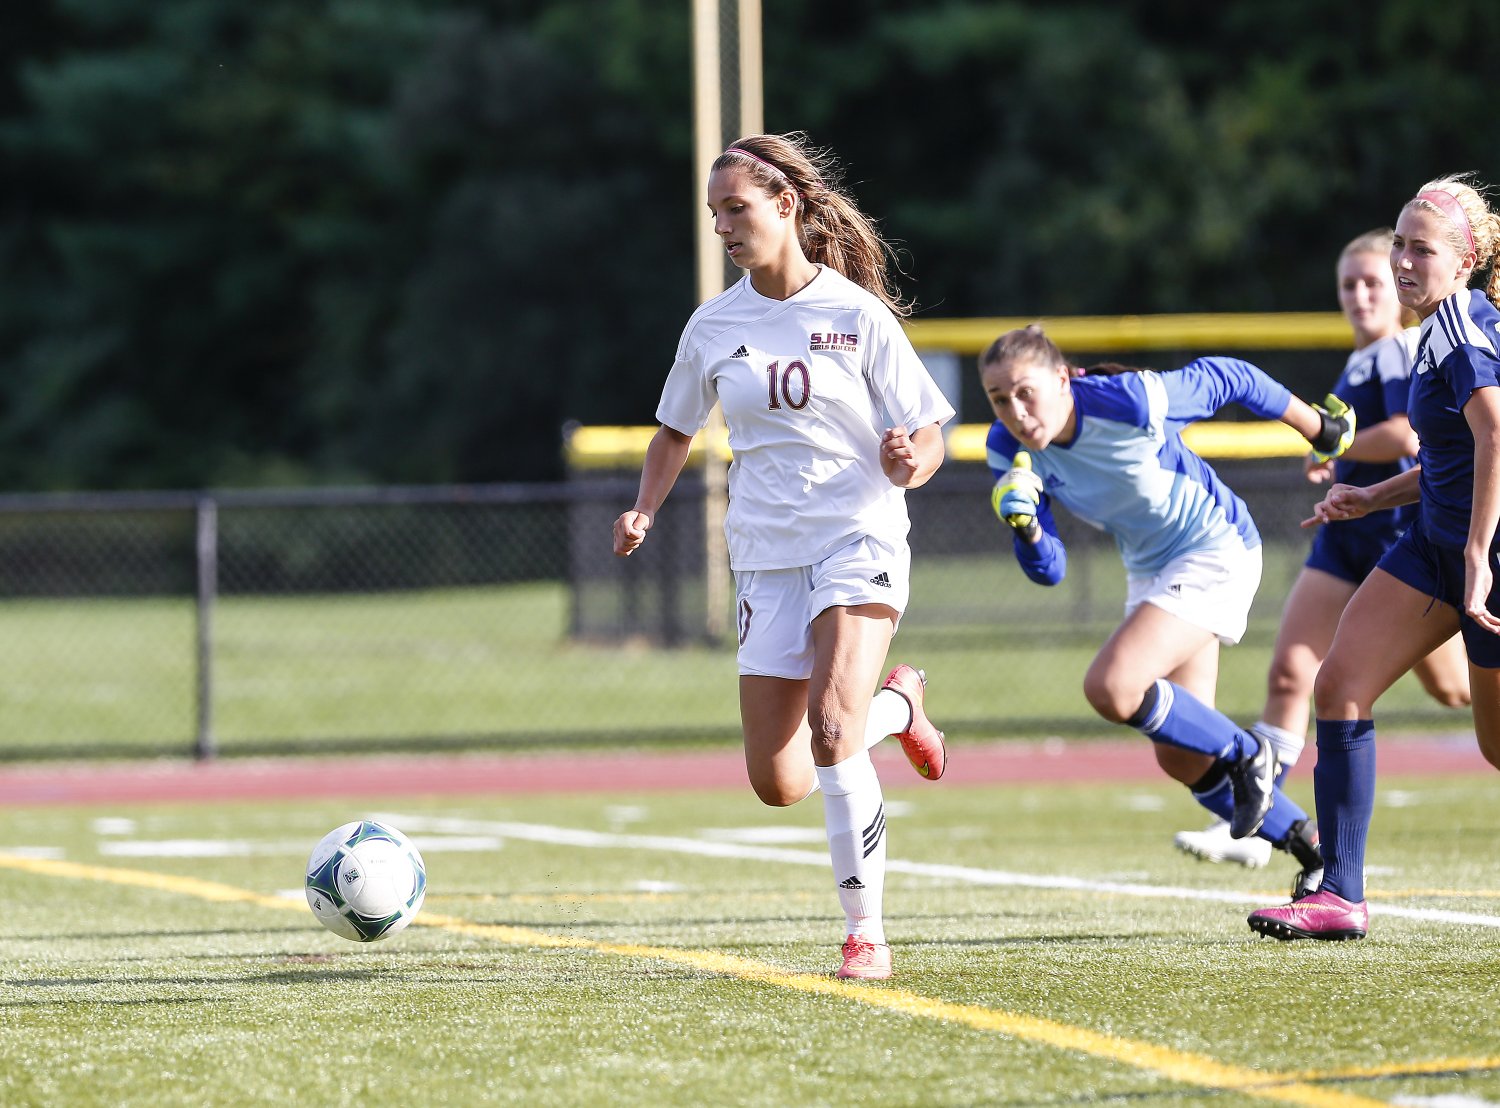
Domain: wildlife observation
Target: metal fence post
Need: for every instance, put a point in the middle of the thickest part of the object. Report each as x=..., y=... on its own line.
x=208, y=586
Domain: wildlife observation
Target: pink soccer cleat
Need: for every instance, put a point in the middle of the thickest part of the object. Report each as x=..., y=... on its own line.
x=922, y=742
x=865, y=961
x=1317, y=915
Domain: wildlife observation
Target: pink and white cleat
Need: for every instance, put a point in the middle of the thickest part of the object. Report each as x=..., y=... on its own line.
x=1317, y=915
x=865, y=961
x=922, y=742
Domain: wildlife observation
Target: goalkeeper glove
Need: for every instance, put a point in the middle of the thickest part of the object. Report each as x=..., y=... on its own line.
x=1338, y=428
x=1017, y=496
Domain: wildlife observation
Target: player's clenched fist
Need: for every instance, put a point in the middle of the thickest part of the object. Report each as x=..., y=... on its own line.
x=898, y=458
x=1017, y=496
x=630, y=531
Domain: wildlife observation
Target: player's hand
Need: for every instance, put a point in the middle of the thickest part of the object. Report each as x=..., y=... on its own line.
x=1338, y=428
x=1317, y=472
x=898, y=457
x=1339, y=503
x=1017, y=496
x=1479, y=579
x=630, y=531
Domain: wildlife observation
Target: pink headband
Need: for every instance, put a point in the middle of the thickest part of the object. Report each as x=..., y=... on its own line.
x=757, y=158
x=1448, y=204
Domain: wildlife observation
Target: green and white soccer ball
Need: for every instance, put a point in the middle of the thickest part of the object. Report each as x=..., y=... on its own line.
x=365, y=881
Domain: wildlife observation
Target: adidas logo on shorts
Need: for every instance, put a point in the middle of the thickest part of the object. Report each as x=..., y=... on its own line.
x=882, y=579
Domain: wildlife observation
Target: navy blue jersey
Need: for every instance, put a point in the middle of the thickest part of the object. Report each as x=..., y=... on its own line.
x=1128, y=472
x=1456, y=355
x=1376, y=383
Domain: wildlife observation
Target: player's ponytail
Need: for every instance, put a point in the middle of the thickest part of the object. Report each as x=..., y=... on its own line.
x=830, y=227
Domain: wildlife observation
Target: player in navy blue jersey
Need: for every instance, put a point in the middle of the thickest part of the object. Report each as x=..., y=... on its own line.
x=1108, y=447
x=1439, y=577
x=1375, y=383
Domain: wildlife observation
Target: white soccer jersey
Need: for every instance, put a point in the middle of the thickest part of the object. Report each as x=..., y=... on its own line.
x=808, y=386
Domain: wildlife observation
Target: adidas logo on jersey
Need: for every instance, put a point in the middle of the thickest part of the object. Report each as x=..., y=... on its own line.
x=881, y=579
x=740, y=353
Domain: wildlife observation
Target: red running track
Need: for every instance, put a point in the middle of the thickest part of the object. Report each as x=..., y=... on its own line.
x=1053, y=760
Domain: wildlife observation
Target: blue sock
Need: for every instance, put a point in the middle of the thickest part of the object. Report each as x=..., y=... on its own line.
x=1218, y=798
x=1344, y=785
x=1171, y=714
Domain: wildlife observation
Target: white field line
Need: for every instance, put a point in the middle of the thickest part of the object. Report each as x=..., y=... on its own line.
x=566, y=836
x=244, y=848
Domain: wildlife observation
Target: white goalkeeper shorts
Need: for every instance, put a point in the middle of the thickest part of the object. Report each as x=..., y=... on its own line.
x=774, y=608
x=1212, y=589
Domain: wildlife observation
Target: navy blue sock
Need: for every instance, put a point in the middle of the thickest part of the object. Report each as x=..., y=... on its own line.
x=1344, y=785
x=1171, y=714
x=1214, y=793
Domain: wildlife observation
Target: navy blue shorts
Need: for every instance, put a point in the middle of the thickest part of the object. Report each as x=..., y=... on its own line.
x=1438, y=571
x=1348, y=553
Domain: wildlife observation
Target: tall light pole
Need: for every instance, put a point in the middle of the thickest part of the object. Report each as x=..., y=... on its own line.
x=728, y=102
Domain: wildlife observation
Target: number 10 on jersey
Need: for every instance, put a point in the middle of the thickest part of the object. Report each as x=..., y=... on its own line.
x=790, y=387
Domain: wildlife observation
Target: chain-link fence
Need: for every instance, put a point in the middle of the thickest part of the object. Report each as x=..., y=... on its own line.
x=449, y=617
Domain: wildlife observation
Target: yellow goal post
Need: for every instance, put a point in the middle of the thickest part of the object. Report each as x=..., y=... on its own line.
x=614, y=447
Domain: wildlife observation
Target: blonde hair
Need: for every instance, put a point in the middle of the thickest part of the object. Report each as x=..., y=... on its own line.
x=1484, y=225
x=830, y=227
x=1378, y=241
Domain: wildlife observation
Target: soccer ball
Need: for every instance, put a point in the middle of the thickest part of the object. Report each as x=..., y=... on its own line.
x=365, y=881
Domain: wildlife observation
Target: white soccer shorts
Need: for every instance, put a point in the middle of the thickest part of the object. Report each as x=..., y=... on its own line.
x=775, y=608
x=1211, y=589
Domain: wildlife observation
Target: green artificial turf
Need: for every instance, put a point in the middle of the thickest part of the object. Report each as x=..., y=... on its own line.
x=117, y=994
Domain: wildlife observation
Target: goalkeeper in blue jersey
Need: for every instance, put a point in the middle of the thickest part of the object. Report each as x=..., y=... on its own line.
x=1107, y=446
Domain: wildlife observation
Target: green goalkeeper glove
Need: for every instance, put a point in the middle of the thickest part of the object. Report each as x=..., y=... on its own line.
x=1017, y=496
x=1338, y=429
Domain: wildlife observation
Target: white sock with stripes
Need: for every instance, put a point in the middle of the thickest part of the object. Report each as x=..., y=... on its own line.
x=854, y=818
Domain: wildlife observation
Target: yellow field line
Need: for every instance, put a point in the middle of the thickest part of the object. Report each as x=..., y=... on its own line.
x=1190, y=1069
x=1425, y=1068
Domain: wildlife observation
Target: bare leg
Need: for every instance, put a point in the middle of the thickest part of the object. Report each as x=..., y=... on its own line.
x=1308, y=622
x=778, y=754
x=1387, y=628
x=1485, y=684
x=1150, y=644
x=1445, y=674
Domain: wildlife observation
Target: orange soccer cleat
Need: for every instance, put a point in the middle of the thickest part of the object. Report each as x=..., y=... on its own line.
x=865, y=961
x=922, y=742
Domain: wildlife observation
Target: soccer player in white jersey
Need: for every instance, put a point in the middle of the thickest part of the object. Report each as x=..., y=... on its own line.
x=1375, y=383
x=1108, y=447
x=1438, y=579
x=831, y=419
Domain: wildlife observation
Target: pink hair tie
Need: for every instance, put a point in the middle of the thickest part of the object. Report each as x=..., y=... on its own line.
x=1448, y=204
x=757, y=158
